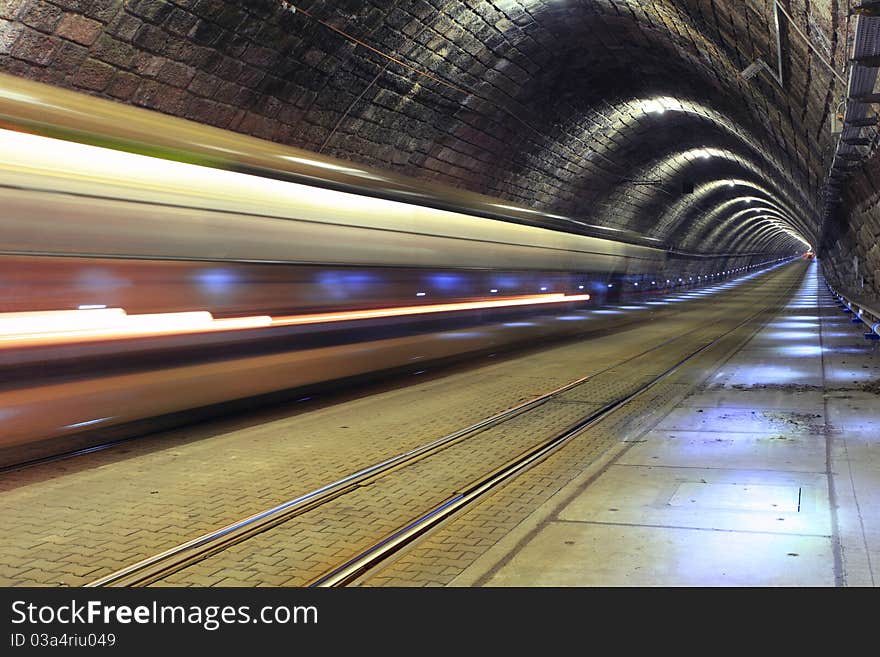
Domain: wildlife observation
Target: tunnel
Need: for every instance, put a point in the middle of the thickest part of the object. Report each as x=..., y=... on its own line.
x=439, y=293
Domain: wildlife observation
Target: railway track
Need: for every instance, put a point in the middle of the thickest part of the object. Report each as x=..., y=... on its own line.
x=144, y=429
x=578, y=416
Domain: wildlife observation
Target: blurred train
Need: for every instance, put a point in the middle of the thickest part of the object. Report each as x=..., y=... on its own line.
x=150, y=265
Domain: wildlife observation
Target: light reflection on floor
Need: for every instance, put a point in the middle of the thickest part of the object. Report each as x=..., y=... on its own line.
x=837, y=377
x=755, y=472
x=789, y=335
x=801, y=350
x=793, y=325
x=837, y=334
x=768, y=374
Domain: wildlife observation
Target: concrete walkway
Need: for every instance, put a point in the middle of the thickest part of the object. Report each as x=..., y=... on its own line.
x=767, y=475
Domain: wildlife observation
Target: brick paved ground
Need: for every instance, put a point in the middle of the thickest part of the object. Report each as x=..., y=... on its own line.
x=764, y=475
x=302, y=549
x=74, y=521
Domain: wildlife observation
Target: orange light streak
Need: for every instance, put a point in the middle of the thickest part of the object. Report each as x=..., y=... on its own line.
x=72, y=326
x=65, y=326
x=14, y=324
x=403, y=311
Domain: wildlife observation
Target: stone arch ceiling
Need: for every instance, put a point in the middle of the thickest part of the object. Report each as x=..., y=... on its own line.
x=598, y=109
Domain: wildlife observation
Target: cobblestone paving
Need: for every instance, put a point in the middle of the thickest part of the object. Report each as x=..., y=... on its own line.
x=290, y=554
x=444, y=554
x=830, y=450
x=71, y=522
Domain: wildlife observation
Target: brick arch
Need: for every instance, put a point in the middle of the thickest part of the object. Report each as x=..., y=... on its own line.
x=256, y=67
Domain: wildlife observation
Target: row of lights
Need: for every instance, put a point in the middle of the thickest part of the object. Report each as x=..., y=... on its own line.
x=544, y=288
x=728, y=272
x=660, y=105
x=494, y=290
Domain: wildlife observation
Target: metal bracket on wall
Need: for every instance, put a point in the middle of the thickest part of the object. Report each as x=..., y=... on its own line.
x=778, y=76
x=856, y=114
x=759, y=64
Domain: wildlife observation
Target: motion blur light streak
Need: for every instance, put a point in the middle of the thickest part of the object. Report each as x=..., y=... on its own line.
x=16, y=324
x=287, y=221
x=53, y=327
x=254, y=283
x=86, y=423
x=432, y=308
x=113, y=323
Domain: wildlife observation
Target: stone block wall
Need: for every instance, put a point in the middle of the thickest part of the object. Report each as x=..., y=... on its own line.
x=538, y=102
x=852, y=244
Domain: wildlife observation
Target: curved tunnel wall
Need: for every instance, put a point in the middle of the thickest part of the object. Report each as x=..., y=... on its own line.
x=583, y=107
x=851, y=245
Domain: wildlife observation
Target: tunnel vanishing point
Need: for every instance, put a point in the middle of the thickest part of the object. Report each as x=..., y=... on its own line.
x=426, y=292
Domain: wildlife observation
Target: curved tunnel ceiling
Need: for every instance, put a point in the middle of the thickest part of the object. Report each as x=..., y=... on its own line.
x=608, y=111
x=601, y=110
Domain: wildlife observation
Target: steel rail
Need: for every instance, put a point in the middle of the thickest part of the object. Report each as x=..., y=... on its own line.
x=178, y=557
x=108, y=444
x=861, y=311
x=368, y=559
